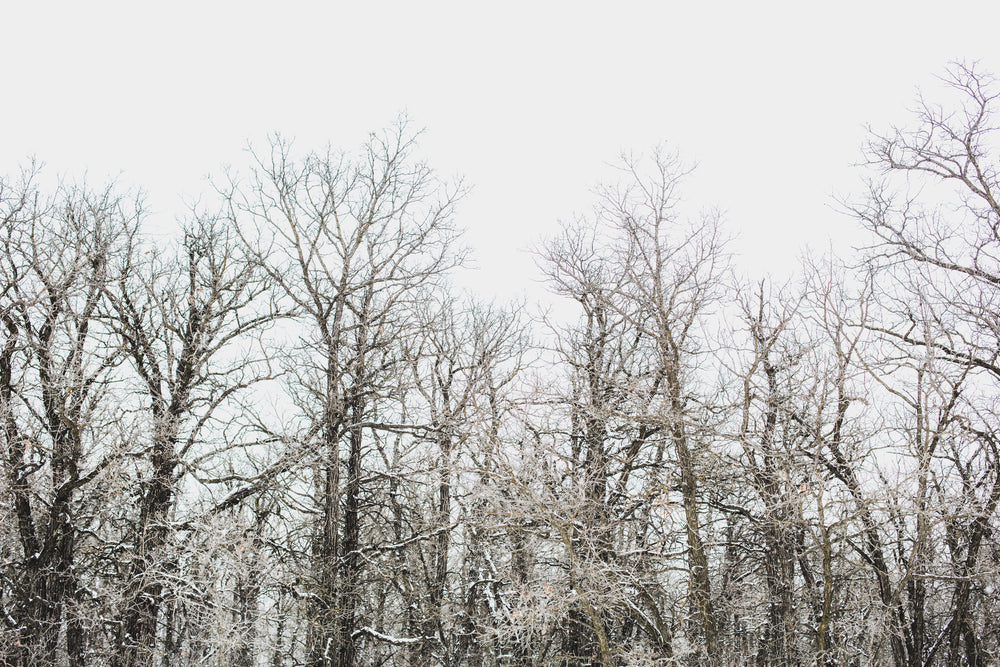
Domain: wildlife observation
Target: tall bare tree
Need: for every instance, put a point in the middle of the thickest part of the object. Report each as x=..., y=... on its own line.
x=939, y=258
x=187, y=323
x=58, y=403
x=350, y=242
x=644, y=282
x=673, y=267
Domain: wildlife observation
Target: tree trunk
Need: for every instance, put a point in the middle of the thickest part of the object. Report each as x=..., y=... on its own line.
x=139, y=622
x=701, y=590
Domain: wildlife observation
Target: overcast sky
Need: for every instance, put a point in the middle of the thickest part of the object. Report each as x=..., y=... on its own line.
x=527, y=100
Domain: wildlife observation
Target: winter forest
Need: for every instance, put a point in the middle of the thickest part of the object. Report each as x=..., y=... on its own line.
x=285, y=437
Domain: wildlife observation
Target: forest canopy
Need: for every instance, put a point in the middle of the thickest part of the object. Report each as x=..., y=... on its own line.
x=285, y=437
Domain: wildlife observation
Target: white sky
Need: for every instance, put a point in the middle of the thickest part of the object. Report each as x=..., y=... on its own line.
x=527, y=100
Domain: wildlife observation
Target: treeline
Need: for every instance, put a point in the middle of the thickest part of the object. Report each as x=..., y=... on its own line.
x=284, y=439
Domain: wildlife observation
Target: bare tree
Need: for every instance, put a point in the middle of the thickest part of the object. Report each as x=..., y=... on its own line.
x=349, y=242
x=770, y=438
x=464, y=357
x=58, y=406
x=942, y=255
x=673, y=268
x=644, y=282
x=187, y=324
